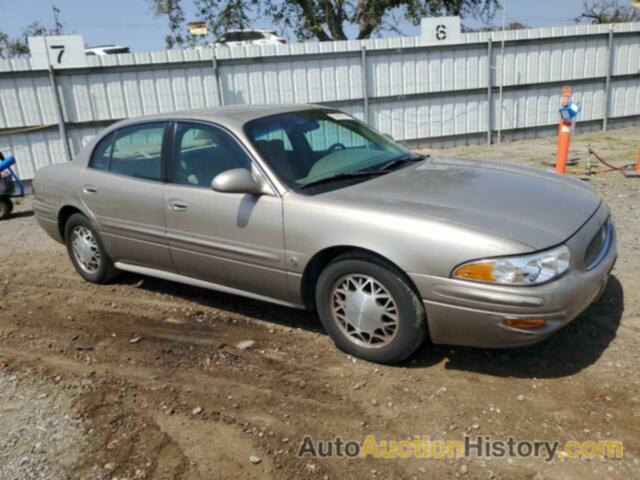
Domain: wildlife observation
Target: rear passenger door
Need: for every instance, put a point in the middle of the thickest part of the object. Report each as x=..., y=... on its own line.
x=123, y=189
x=235, y=240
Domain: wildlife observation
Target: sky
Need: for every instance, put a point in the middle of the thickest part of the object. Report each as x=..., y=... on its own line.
x=132, y=23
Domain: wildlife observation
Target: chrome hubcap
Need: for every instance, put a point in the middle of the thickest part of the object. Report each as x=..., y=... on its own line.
x=364, y=310
x=85, y=249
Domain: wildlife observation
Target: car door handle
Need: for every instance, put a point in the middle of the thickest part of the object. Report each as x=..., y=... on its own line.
x=89, y=190
x=178, y=206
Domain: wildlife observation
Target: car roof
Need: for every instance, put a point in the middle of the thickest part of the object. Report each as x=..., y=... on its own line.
x=233, y=115
x=261, y=30
x=105, y=46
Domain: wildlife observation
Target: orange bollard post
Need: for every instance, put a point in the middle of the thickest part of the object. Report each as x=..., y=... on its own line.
x=635, y=173
x=564, y=135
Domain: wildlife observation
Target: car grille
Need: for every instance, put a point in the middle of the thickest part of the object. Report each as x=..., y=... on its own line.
x=599, y=246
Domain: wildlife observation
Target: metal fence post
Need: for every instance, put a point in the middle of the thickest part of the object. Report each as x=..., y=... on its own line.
x=607, y=85
x=216, y=74
x=59, y=114
x=365, y=87
x=489, y=92
x=500, y=106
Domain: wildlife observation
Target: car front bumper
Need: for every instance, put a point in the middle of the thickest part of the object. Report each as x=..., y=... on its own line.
x=474, y=314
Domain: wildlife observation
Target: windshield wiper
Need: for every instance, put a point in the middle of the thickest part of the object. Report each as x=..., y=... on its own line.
x=402, y=160
x=345, y=175
x=386, y=168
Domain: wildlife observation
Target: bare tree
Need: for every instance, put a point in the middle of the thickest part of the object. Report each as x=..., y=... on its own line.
x=321, y=19
x=607, y=11
x=18, y=46
x=496, y=28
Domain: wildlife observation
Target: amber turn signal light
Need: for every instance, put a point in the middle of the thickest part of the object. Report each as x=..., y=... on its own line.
x=526, y=323
x=482, y=271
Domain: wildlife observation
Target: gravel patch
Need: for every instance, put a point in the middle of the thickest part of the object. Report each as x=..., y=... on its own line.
x=39, y=436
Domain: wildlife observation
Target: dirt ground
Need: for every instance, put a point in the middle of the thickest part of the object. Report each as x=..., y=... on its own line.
x=144, y=378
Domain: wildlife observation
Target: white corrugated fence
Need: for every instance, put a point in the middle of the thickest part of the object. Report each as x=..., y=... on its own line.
x=435, y=95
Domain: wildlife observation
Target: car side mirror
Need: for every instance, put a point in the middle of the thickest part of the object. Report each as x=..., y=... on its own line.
x=239, y=180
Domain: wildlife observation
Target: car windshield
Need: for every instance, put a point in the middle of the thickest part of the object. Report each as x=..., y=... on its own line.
x=307, y=148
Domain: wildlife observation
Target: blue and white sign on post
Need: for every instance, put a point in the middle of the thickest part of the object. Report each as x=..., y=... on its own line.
x=570, y=111
x=440, y=30
x=59, y=51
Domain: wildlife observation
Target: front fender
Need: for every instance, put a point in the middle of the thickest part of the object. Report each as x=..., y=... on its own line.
x=420, y=245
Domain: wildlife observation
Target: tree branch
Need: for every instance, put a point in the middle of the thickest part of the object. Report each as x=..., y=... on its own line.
x=323, y=19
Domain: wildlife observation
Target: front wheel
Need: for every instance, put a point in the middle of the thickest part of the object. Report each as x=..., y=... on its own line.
x=86, y=251
x=369, y=309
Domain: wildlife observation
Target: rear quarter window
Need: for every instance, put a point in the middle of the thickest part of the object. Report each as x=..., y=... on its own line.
x=137, y=151
x=102, y=153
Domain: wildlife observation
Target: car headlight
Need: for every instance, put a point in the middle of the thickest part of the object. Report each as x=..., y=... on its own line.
x=532, y=269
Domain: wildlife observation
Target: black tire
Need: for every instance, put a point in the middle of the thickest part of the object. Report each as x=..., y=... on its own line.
x=6, y=207
x=411, y=327
x=105, y=271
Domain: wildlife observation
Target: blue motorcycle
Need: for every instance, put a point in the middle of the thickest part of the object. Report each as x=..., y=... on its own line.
x=10, y=185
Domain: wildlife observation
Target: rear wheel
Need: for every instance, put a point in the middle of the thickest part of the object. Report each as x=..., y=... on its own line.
x=6, y=207
x=86, y=250
x=369, y=309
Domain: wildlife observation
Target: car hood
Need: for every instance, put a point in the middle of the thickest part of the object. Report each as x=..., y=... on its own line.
x=536, y=208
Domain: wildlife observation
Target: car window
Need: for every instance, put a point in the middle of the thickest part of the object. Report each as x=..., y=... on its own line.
x=253, y=36
x=303, y=147
x=102, y=154
x=114, y=51
x=329, y=133
x=201, y=152
x=273, y=142
x=273, y=133
x=137, y=151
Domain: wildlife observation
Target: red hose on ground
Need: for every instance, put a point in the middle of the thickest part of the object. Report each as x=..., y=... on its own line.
x=611, y=167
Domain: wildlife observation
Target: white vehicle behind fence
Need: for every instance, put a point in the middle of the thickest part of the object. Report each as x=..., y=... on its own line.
x=234, y=38
x=106, y=50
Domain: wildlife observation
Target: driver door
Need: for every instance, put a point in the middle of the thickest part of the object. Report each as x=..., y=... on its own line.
x=234, y=240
